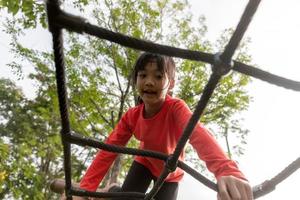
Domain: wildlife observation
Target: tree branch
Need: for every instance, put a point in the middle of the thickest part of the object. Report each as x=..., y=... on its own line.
x=99, y=112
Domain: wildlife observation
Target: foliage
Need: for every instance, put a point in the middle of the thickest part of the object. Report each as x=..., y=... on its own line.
x=100, y=88
x=31, y=13
x=30, y=143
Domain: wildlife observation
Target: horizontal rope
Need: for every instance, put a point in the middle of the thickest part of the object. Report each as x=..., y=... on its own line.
x=85, y=141
x=266, y=76
x=77, y=24
x=85, y=193
x=59, y=19
x=258, y=190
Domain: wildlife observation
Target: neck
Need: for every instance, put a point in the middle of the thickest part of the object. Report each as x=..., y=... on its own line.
x=151, y=110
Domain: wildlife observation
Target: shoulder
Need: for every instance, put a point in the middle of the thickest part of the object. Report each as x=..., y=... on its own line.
x=172, y=100
x=176, y=102
x=129, y=118
x=133, y=112
x=179, y=111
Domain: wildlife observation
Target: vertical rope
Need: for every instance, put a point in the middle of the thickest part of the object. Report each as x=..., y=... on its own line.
x=171, y=163
x=157, y=184
x=207, y=93
x=58, y=19
x=57, y=38
x=240, y=30
x=63, y=105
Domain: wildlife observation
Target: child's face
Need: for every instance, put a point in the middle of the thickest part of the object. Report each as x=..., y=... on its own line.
x=152, y=84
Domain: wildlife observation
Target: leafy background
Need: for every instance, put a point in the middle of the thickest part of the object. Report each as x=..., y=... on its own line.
x=100, y=88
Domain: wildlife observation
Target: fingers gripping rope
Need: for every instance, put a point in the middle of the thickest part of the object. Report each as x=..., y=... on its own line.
x=221, y=65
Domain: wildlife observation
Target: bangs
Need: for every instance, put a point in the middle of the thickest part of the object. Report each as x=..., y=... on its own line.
x=164, y=64
x=150, y=58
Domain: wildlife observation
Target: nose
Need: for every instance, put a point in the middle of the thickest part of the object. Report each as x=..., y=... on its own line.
x=149, y=81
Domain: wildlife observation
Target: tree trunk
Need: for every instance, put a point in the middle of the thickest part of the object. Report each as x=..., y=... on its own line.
x=113, y=173
x=115, y=170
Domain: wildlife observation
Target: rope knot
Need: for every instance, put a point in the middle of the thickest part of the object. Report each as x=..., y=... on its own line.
x=171, y=163
x=220, y=67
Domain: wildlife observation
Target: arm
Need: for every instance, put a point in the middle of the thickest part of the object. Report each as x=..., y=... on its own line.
x=232, y=184
x=103, y=160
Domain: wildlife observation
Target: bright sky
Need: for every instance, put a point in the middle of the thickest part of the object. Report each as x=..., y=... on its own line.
x=273, y=115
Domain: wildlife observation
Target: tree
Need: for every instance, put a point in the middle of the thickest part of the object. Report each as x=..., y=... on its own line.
x=30, y=144
x=100, y=86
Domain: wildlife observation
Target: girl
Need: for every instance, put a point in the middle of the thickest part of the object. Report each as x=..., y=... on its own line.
x=158, y=122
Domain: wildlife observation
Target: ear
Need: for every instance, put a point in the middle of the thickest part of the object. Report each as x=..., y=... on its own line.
x=172, y=84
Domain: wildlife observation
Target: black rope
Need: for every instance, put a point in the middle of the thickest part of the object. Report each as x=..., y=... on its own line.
x=78, y=24
x=171, y=164
x=266, y=76
x=239, y=31
x=270, y=185
x=221, y=64
x=85, y=141
x=57, y=38
x=85, y=193
x=208, y=90
x=160, y=180
x=202, y=179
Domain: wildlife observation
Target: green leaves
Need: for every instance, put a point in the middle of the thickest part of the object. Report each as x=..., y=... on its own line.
x=28, y=12
x=100, y=89
x=12, y=6
x=30, y=144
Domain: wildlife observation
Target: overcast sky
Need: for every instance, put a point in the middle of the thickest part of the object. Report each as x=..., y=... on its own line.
x=273, y=116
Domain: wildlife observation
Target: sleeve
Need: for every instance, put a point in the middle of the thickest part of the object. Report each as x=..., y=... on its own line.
x=206, y=145
x=104, y=159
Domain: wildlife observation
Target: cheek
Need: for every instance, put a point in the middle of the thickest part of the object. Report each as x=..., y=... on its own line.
x=138, y=86
x=137, y=83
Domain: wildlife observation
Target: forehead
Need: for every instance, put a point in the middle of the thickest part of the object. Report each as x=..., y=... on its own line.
x=151, y=67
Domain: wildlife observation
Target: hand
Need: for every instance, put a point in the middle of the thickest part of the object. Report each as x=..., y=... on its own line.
x=232, y=188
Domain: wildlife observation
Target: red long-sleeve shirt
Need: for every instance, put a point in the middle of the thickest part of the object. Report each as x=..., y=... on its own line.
x=160, y=133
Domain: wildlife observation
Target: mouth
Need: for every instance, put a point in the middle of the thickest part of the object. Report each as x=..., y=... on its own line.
x=149, y=92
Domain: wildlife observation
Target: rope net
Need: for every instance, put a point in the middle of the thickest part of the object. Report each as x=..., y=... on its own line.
x=221, y=64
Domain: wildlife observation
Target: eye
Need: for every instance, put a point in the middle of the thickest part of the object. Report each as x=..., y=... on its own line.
x=141, y=75
x=159, y=76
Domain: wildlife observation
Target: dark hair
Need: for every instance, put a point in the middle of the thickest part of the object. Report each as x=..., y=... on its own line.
x=165, y=64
